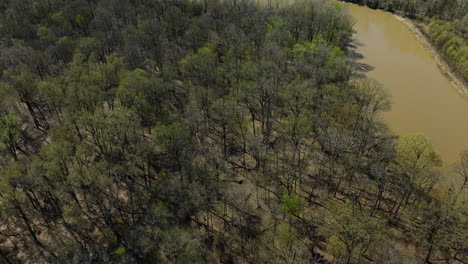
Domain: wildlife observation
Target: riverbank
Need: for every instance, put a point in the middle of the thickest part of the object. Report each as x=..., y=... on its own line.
x=423, y=97
x=419, y=33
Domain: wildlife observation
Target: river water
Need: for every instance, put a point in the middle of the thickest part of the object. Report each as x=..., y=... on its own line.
x=424, y=100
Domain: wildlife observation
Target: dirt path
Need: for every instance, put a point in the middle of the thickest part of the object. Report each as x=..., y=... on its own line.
x=456, y=81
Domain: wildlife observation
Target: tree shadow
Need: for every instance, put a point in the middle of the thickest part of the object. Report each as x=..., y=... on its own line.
x=358, y=69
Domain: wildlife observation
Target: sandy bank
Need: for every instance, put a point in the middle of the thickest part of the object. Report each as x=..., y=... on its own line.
x=456, y=81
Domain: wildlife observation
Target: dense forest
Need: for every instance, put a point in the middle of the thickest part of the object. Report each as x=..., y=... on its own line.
x=451, y=37
x=444, y=22
x=177, y=131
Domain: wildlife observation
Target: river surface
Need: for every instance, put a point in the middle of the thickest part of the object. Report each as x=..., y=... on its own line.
x=424, y=100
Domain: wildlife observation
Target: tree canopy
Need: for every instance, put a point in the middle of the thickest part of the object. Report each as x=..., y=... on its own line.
x=205, y=132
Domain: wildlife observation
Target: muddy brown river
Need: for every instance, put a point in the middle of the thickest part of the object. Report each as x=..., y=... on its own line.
x=424, y=100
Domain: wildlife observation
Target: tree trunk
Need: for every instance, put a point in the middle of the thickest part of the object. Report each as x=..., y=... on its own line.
x=377, y=201
x=28, y=225
x=33, y=115
x=427, y=259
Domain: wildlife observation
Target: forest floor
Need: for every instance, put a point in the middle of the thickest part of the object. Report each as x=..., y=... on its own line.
x=443, y=64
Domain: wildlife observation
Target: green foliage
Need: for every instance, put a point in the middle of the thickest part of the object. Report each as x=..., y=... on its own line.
x=200, y=67
x=308, y=48
x=9, y=129
x=120, y=251
x=58, y=18
x=452, y=42
x=145, y=94
x=291, y=205
x=442, y=225
x=9, y=134
x=65, y=48
x=80, y=19
x=353, y=233
x=42, y=32
x=416, y=154
x=287, y=234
